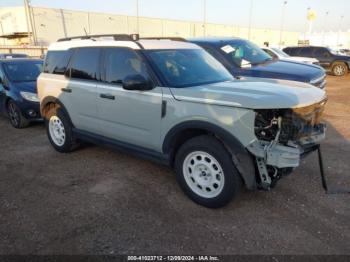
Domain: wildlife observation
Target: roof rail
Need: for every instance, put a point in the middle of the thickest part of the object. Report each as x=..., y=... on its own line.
x=181, y=39
x=116, y=37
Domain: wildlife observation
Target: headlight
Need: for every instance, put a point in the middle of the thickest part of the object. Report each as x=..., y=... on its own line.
x=30, y=96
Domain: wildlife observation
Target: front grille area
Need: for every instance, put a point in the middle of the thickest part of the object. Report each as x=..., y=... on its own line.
x=301, y=122
x=296, y=123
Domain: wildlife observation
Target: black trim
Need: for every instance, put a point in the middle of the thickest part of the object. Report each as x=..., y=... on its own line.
x=164, y=104
x=242, y=158
x=123, y=147
x=116, y=37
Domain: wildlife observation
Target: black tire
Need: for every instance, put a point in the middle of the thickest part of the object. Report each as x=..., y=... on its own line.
x=213, y=147
x=15, y=115
x=70, y=143
x=339, y=69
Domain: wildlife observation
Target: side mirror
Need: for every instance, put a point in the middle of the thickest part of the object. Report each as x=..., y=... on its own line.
x=137, y=82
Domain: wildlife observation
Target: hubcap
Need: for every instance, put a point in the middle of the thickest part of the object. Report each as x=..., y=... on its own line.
x=339, y=70
x=203, y=174
x=13, y=114
x=57, y=131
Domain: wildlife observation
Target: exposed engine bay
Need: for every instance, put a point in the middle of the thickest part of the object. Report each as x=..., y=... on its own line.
x=284, y=135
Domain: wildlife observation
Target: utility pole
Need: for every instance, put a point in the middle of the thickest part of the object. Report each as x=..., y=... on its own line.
x=29, y=21
x=250, y=19
x=339, y=30
x=282, y=21
x=2, y=31
x=137, y=18
x=324, y=28
x=306, y=25
x=204, y=17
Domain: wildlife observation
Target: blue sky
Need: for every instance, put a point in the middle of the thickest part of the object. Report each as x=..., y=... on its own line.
x=266, y=13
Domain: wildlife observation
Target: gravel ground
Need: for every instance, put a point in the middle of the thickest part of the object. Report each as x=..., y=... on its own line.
x=96, y=201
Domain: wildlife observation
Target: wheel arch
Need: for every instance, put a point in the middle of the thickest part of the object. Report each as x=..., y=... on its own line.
x=341, y=61
x=44, y=105
x=242, y=159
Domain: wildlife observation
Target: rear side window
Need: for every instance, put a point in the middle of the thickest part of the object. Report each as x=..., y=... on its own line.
x=305, y=51
x=56, y=62
x=321, y=52
x=122, y=62
x=290, y=51
x=84, y=63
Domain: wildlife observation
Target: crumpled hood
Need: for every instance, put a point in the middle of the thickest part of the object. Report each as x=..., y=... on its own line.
x=253, y=93
x=25, y=86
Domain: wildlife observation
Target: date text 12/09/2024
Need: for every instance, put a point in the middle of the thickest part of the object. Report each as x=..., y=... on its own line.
x=173, y=258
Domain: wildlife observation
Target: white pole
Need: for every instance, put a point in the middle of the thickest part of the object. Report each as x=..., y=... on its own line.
x=306, y=25
x=137, y=18
x=339, y=30
x=250, y=19
x=282, y=21
x=324, y=28
x=204, y=17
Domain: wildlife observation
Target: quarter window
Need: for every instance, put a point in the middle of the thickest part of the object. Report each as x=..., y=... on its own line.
x=56, y=62
x=85, y=63
x=122, y=62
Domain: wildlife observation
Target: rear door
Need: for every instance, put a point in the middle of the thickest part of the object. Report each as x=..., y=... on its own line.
x=128, y=116
x=324, y=56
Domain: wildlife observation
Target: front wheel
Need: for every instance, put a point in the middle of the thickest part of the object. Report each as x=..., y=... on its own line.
x=15, y=115
x=339, y=69
x=206, y=173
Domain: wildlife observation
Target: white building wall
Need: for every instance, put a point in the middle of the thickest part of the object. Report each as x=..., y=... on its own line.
x=51, y=24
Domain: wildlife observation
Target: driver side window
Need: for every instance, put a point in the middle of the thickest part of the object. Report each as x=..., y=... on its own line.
x=120, y=63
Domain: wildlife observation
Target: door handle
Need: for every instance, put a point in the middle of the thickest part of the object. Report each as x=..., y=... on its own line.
x=67, y=90
x=107, y=96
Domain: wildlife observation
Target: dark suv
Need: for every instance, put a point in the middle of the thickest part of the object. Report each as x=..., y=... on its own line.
x=331, y=60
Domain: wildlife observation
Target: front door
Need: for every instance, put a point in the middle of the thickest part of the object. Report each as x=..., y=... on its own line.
x=79, y=87
x=128, y=116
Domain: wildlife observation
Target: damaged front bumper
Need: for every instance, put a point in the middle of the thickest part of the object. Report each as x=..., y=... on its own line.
x=272, y=156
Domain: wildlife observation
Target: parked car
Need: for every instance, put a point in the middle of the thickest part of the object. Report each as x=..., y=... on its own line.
x=172, y=102
x=11, y=55
x=18, y=97
x=331, y=60
x=243, y=58
x=276, y=53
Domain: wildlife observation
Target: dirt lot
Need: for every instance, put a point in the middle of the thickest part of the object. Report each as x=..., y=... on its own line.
x=95, y=201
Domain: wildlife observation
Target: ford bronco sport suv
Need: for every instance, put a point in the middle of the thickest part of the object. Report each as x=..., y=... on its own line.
x=173, y=102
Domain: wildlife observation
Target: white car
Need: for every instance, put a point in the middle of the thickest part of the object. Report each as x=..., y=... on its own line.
x=279, y=54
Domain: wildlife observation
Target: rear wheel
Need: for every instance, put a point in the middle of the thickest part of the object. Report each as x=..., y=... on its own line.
x=15, y=115
x=206, y=173
x=59, y=129
x=339, y=69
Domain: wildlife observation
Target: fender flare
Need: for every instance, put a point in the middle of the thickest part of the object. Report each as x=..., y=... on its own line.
x=51, y=99
x=242, y=159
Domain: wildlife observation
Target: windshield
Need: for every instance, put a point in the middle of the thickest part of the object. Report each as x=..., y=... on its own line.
x=244, y=53
x=280, y=52
x=335, y=52
x=23, y=71
x=188, y=67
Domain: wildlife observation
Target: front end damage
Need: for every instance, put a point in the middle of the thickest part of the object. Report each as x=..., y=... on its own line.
x=283, y=137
